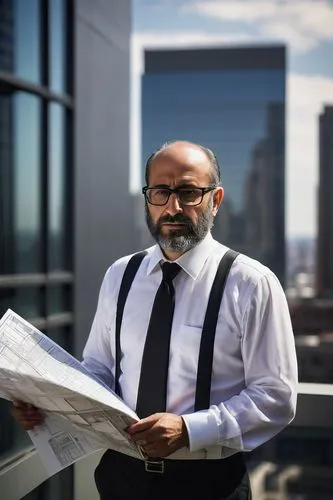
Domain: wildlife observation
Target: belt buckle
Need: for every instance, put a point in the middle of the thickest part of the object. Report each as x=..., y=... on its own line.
x=152, y=465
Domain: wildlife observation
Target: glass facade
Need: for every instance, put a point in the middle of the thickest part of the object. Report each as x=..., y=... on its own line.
x=58, y=220
x=26, y=185
x=36, y=273
x=20, y=229
x=58, y=45
x=239, y=113
x=26, y=26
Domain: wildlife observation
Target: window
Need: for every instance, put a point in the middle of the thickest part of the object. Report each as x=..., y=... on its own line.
x=57, y=44
x=59, y=182
x=26, y=183
x=24, y=40
x=20, y=193
x=26, y=301
x=35, y=181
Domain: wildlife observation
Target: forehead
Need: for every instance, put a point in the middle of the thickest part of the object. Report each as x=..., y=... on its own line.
x=178, y=164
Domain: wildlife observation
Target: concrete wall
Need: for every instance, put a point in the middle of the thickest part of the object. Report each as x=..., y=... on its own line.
x=103, y=213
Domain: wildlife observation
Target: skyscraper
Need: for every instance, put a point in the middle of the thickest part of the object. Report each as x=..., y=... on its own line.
x=325, y=204
x=231, y=100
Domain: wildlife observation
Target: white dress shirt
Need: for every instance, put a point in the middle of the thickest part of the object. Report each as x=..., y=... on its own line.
x=253, y=391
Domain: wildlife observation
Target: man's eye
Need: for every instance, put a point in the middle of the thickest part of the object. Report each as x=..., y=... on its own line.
x=189, y=193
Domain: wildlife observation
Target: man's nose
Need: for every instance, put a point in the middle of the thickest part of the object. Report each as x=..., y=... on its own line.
x=173, y=206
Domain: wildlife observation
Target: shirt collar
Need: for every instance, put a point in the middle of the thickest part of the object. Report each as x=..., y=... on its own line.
x=191, y=262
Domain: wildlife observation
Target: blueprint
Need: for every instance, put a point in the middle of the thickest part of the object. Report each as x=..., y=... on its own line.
x=82, y=415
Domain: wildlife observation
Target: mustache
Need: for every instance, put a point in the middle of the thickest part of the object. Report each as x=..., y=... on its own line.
x=178, y=218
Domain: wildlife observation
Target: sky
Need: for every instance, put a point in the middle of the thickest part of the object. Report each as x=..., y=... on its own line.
x=305, y=26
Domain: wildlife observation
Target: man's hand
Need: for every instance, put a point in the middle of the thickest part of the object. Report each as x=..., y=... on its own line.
x=27, y=415
x=160, y=434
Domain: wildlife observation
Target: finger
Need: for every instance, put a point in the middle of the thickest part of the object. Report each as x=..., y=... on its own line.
x=25, y=413
x=142, y=444
x=152, y=451
x=34, y=413
x=20, y=404
x=28, y=425
x=141, y=438
x=144, y=424
x=149, y=450
x=27, y=418
x=24, y=421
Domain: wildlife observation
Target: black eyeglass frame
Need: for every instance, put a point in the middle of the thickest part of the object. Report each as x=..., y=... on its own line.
x=204, y=190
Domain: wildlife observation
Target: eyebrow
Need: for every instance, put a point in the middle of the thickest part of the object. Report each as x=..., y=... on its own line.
x=184, y=185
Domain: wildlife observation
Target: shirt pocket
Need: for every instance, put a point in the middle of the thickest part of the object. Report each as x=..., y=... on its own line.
x=185, y=351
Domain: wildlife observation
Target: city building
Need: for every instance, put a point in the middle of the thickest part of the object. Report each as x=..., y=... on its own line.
x=65, y=207
x=231, y=100
x=297, y=464
x=314, y=355
x=311, y=316
x=301, y=265
x=325, y=205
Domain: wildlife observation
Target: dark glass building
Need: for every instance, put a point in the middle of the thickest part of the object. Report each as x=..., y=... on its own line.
x=325, y=205
x=64, y=139
x=231, y=100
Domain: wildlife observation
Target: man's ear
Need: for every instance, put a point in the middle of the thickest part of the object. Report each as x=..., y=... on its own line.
x=217, y=199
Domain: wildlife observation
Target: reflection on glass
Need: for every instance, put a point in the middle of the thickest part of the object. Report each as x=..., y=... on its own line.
x=60, y=336
x=58, y=299
x=58, y=216
x=20, y=43
x=6, y=176
x=25, y=301
x=26, y=183
x=239, y=114
x=57, y=45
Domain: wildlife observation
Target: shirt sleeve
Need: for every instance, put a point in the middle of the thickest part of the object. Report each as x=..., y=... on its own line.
x=98, y=352
x=268, y=402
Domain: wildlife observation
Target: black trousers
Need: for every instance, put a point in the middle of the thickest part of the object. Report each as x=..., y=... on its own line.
x=120, y=477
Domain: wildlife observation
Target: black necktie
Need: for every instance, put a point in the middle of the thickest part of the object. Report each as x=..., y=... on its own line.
x=152, y=390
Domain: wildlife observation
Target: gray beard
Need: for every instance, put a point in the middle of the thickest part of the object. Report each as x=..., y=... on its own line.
x=182, y=239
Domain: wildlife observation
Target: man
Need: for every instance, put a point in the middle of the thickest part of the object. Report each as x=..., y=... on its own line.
x=252, y=392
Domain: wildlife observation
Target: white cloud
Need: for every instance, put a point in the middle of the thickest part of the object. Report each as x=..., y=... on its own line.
x=301, y=23
x=277, y=30
x=234, y=10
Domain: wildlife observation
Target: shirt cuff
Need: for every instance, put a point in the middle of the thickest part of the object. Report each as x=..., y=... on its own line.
x=202, y=429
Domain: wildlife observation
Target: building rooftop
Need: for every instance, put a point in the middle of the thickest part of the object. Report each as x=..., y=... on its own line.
x=216, y=58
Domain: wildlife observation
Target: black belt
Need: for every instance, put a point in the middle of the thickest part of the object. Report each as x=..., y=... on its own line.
x=161, y=466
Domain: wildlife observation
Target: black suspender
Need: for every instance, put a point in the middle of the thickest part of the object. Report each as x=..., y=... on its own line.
x=206, y=352
x=204, y=374
x=128, y=277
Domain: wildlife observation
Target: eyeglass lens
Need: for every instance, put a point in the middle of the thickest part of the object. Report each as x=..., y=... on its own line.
x=160, y=196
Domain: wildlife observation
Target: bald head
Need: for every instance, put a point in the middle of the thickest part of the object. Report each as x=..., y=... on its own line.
x=177, y=150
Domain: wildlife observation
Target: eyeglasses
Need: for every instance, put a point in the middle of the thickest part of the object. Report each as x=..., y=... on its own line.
x=192, y=196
